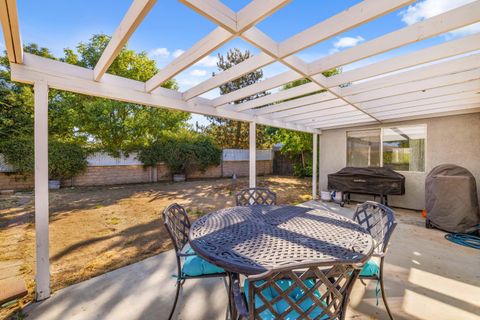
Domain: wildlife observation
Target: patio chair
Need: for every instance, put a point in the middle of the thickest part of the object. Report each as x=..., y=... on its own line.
x=189, y=265
x=379, y=221
x=297, y=291
x=256, y=196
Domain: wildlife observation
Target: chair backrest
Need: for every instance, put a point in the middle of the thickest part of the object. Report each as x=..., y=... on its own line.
x=301, y=292
x=379, y=221
x=256, y=196
x=176, y=222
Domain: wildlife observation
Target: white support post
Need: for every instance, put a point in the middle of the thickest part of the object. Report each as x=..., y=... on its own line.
x=319, y=185
x=314, y=166
x=252, y=174
x=42, y=264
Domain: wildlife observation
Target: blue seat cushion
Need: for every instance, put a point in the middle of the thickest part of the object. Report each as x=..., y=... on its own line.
x=370, y=269
x=270, y=293
x=195, y=266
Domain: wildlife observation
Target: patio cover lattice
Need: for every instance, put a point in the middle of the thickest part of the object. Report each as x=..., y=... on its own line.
x=435, y=81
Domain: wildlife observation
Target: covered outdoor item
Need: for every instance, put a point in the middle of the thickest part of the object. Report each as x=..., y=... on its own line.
x=451, y=199
x=379, y=181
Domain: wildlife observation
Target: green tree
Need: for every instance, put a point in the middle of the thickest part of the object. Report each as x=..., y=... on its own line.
x=115, y=126
x=230, y=133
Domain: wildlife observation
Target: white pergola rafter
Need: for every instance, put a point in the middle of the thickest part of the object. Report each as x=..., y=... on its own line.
x=11, y=30
x=348, y=19
x=445, y=22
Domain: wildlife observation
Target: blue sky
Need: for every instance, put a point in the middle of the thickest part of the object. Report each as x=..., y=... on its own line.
x=171, y=27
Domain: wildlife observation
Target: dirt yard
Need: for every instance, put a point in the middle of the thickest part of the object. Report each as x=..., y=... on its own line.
x=95, y=230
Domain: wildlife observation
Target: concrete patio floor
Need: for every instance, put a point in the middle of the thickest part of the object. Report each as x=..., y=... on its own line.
x=427, y=277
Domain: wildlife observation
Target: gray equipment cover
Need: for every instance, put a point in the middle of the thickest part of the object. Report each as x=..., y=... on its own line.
x=451, y=199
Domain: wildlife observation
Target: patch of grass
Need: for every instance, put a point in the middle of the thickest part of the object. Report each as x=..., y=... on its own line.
x=113, y=220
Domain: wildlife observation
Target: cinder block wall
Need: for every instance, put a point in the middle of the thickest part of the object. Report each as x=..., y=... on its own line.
x=125, y=174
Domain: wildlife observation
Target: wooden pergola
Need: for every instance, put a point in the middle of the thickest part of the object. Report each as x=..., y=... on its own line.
x=436, y=81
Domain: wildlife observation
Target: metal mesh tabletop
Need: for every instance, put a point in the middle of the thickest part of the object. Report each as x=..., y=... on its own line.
x=254, y=239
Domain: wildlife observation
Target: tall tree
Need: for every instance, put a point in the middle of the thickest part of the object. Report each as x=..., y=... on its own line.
x=231, y=133
x=119, y=126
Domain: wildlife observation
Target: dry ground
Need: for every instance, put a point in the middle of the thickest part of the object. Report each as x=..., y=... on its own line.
x=95, y=230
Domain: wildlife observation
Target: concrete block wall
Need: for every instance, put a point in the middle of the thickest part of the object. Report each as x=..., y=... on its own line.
x=9, y=181
x=125, y=174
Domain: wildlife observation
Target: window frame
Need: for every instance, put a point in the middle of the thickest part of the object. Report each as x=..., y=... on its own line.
x=382, y=128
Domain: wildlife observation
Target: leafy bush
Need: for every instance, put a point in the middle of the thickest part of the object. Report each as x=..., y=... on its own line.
x=302, y=171
x=65, y=159
x=182, y=151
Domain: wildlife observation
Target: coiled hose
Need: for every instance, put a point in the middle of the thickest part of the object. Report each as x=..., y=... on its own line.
x=464, y=239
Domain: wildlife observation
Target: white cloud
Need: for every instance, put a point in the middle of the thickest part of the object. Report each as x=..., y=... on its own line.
x=429, y=8
x=159, y=52
x=177, y=53
x=347, y=42
x=198, y=73
x=208, y=61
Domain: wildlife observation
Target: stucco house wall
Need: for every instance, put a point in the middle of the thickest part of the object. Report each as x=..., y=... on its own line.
x=450, y=139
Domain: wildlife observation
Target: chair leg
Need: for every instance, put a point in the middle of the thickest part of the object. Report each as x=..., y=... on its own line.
x=227, y=288
x=384, y=296
x=179, y=287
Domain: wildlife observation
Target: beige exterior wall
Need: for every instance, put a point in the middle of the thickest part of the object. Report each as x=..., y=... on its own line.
x=452, y=139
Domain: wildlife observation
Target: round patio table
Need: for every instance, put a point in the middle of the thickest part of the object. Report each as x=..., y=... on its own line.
x=251, y=240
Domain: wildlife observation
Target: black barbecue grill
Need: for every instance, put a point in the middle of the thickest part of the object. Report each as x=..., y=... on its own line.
x=376, y=181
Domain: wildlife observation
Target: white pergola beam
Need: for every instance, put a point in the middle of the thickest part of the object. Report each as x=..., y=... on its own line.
x=265, y=85
x=64, y=76
x=431, y=106
x=420, y=73
x=417, y=86
x=233, y=73
x=256, y=11
x=306, y=110
x=323, y=112
x=281, y=95
x=289, y=107
x=343, y=113
x=202, y=48
x=445, y=50
x=352, y=17
x=342, y=121
x=433, y=111
x=42, y=262
x=216, y=11
x=441, y=51
x=11, y=30
x=427, y=101
x=450, y=20
x=132, y=19
x=424, y=94
x=301, y=108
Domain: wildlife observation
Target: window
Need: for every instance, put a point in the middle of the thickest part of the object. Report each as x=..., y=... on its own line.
x=399, y=148
x=363, y=148
x=404, y=148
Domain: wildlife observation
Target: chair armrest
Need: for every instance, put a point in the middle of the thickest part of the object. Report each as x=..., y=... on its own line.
x=238, y=299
